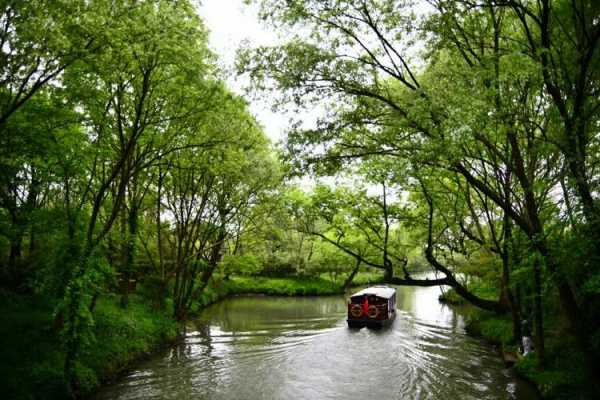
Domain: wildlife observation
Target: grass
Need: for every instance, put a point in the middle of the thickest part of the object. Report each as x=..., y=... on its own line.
x=283, y=286
x=451, y=297
x=362, y=278
x=126, y=335
x=563, y=378
x=32, y=361
x=493, y=327
x=293, y=286
x=31, y=357
x=270, y=286
x=218, y=289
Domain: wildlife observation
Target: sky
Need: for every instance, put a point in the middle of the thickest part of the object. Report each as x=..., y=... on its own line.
x=231, y=22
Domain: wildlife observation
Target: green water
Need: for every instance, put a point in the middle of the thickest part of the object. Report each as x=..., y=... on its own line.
x=300, y=348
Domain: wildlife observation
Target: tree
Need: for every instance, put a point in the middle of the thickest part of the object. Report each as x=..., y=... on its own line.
x=205, y=190
x=40, y=39
x=125, y=93
x=473, y=104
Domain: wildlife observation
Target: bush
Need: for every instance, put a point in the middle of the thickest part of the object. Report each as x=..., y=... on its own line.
x=32, y=365
x=285, y=286
x=246, y=264
x=493, y=327
x=562, y=383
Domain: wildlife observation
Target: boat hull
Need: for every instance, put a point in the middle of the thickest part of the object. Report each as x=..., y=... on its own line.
x=369, y=323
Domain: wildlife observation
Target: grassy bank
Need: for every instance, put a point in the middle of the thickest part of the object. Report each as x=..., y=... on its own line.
x=284, y=286
x=32, y=365
x=289, y=286
x=561, y=379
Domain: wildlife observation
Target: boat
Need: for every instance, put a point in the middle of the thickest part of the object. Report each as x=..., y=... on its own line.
x=373, y=307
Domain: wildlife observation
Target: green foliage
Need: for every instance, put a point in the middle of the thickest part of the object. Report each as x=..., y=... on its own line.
x=217, y=289
x=481, y=288
x=33, y=360
x=561, y=382
x=213, y=292
x=367, y=278
x=285, y=286
x=451, y=297
x=125, y=160
x=86, y=378
x=497, y=329
x=247, y=264
x=123, y=336
x=564, y=375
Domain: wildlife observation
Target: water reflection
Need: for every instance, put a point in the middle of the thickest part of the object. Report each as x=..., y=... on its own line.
x=300, y=348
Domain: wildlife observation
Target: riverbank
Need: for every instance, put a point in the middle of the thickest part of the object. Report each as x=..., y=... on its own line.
x=32, y=365
x=238, y=285
x=289, y=345
x=561, y=379
x=33, y=360
x=273, y=286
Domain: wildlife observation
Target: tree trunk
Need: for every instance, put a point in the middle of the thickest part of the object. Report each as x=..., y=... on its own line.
x=94, y=302
x=350, y=277
x=32, y=242
x=538, y=316
x=70, y=317
x=214, y=258
x=124, y=274
x=389, y=269
x=132, y=226
x=14, y=259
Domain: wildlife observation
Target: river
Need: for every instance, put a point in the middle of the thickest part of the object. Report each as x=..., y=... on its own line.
x=300, y=348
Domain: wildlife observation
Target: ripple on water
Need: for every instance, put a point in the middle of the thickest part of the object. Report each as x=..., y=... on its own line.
x=265, y=348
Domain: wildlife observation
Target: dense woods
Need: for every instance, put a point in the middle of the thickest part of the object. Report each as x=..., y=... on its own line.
x=123, y=155
x=458, y=138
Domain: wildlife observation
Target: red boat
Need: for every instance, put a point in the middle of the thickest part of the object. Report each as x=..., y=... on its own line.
x=373, y=307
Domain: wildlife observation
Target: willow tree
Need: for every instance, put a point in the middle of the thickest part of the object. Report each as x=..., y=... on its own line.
x=364, y=226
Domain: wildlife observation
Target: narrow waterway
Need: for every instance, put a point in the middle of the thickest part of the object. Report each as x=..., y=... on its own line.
x=300, y=348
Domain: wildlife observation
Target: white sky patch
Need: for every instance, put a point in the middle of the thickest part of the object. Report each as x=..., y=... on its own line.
x=231, y=23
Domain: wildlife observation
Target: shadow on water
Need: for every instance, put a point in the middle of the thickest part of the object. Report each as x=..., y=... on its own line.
x=300, y=348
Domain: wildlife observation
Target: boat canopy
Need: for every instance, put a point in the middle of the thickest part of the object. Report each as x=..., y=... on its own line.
x=384, y=292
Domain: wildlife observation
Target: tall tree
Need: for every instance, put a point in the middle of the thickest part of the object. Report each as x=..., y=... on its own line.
x=125, y=93
x=472, y=103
